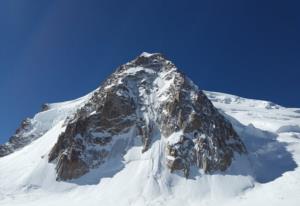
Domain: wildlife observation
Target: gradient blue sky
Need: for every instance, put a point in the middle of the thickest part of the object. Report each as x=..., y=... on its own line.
x=56, y=50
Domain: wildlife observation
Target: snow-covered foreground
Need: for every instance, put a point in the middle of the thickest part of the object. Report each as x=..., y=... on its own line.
x=269, y=175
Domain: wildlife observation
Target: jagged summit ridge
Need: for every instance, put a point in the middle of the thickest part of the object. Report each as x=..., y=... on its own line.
x=146, y=100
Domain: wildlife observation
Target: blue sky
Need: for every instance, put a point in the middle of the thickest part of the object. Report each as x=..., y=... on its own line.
x=55, y=50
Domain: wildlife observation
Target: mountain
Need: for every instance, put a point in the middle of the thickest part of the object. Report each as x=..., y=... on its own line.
x=149, y=136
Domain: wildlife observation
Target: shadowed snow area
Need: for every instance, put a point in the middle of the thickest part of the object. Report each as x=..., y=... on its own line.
x=269, y=157
x=289, y=128
x=269, y=174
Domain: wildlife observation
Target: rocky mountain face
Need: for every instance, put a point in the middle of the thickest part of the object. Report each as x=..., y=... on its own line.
x=21, y=138
x=145, y=100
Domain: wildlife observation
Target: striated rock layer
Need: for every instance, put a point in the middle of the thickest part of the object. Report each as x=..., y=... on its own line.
x=145, y=100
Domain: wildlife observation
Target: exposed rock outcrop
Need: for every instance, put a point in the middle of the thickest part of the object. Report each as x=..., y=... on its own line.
x=21, y=138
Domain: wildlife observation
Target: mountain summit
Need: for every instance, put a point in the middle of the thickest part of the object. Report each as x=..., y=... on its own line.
x=145, y=100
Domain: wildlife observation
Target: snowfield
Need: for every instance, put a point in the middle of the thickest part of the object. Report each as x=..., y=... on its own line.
x=269, y=175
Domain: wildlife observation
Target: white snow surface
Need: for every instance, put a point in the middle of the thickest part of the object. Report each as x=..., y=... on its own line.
x=268, y=175
x=146, y=54
x=57, y=112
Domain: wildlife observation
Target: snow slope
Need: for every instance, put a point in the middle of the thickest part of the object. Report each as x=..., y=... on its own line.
x=270, y=132
x=281, y=175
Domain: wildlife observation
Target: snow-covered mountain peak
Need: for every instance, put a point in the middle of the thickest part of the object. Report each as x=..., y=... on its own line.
x=146, y=100
x=149, y=136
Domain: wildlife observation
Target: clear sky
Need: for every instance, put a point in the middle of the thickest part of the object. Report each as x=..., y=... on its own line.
x=56, y=50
